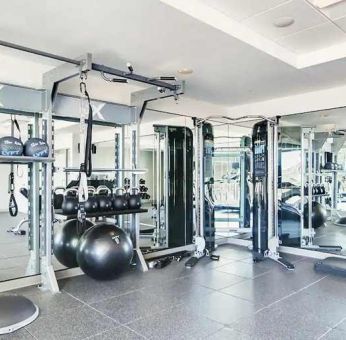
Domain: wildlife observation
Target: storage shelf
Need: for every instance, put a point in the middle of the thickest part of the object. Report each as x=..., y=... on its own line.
x=104, y=170
x=104, y=213
x=317, y=195
x=24, y=160
x=331, y=171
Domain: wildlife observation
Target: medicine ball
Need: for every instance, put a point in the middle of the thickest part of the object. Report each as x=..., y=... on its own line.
x=318, y=215
x=11, y=146
x=66, y=242
x=104, y=251
x=36, y=147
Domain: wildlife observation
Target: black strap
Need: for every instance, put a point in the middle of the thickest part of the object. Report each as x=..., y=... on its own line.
x=15, y=122
x=12, y=205
x=87, y=165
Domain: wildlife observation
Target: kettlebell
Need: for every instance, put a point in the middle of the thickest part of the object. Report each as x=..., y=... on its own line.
x=58, y=198
x=314, y=189
x=318, y=189
x=91, y=204
x=134, y=199
x=119, y=200
x=323, y=189
x=329, y=166
x=103, y=198
x=70, y=203
x=306, y=189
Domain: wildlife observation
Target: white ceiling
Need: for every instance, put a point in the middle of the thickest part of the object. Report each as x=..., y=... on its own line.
x=159, y=39
x=313, y=28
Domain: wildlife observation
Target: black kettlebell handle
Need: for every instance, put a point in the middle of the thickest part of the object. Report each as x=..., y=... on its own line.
x=134, y=189
x=70, y=190
x=59, y=188
x=91, y=189
x=118, y=189
x=102, y=187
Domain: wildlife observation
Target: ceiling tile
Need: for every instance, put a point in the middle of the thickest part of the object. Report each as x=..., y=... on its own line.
x=314, y=38
x=335, y=12
x=304, y=17
x=341, y=23
x=241, y=9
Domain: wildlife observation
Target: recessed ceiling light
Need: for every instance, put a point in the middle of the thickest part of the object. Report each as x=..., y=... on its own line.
x=185, y=71
x=283, y=22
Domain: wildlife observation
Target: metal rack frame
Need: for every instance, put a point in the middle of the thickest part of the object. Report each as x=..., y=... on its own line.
x=47, y=108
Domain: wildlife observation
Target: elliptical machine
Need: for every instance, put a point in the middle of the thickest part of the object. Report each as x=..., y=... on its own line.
x=265, y=185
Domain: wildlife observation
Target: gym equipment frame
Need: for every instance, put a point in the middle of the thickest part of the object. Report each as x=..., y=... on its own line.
x=265, y=186
x=48, y=106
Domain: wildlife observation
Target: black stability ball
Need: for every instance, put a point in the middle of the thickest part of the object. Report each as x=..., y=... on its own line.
x=318, y=215
x=104, y=251
x=66, y=242
x=36, y=147
x=11, y=146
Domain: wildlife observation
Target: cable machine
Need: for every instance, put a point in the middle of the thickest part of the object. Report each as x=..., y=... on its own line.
x=174, y=182
x=265, y=184
x=204, y=212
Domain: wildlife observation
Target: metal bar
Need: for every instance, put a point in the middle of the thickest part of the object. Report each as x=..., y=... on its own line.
x=49, y=281
x=166, y=252
x=302, y=184
x=95, y=67
x=310, y=180
x=158, y=190
x=270, y=180
x=24, y=159
x=133, y=76
x=38, y=52
x=166, y=184
x=275, y=183
x=35, y=221
x=105, y=170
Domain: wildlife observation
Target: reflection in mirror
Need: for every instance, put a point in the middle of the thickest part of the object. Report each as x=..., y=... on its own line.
x=312, y=182
x=231, y=190
x=19, y=252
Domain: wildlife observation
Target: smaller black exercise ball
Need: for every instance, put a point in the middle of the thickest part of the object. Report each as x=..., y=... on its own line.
x=104, y=251
x=66, y=242
x=36, y=147
x=318, y=215
x=11, y=146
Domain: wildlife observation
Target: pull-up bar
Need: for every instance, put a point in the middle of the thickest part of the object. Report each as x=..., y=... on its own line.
x=95, y=67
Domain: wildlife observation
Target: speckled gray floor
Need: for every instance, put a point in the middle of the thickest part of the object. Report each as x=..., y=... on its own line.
x=229, y=299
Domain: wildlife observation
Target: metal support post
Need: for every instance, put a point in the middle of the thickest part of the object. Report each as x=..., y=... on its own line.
x=34, y=220
x=135, y=226
x=51, y=80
